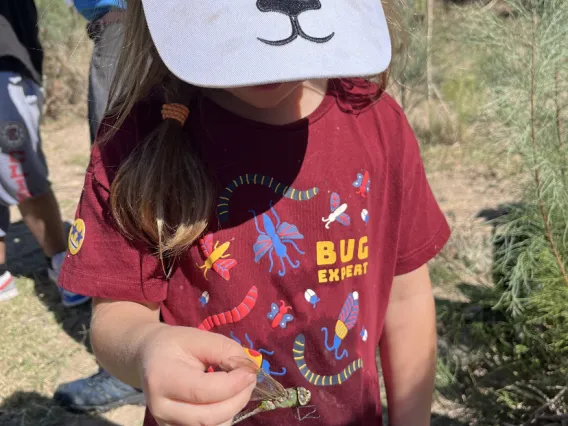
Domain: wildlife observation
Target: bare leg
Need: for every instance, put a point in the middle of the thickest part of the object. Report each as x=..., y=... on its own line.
x=41, y=215
x=2, y=251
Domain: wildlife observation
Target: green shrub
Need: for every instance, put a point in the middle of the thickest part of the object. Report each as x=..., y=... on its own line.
x=515, y=347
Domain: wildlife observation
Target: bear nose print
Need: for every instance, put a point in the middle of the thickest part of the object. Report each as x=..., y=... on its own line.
x=291, y=8
x=288, y=7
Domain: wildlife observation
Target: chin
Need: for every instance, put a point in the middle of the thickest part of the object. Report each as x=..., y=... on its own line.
x=265, y=97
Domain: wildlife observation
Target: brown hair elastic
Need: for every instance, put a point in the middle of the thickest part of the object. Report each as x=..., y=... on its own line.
x=178, y=112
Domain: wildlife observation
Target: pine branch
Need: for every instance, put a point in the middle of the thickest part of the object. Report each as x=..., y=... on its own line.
x=537, y=414
x=541, y=205
x=559, y=129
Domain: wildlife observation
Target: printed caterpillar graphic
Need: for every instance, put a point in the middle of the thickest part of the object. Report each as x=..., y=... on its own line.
x=256, y=179
x=316, y=379
x=234, y=315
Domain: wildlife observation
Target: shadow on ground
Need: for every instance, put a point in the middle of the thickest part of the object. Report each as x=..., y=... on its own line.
x=438, y=420
x=25, y=258
x=33, y=409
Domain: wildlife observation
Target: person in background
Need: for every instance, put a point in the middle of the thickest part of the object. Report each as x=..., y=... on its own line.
x=23, y=167
x=100, y=392
x=105, y=29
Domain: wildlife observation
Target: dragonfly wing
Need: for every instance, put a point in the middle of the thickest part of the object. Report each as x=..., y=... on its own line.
x=267, y=388
x=334, y=201
x=261, y=247
x=287, y=231
x=222, y=267
x=206, y=244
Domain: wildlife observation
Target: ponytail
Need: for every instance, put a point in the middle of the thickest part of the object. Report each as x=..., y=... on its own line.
x=162, y=194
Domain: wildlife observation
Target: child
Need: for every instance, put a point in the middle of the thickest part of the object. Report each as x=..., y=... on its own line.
x=248, y=197
x=23, y=169
x=105, y=29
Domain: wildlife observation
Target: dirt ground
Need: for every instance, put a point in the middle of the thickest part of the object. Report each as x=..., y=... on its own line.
x=43, y=345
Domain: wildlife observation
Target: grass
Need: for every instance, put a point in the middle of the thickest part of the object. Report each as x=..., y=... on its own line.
x=34, y=368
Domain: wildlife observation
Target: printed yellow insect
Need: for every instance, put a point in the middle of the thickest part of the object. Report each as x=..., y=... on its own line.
x=214, y=257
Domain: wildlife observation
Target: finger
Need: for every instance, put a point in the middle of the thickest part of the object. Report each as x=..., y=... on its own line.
x=219, y=413
x=212, y=348
x=180, y=381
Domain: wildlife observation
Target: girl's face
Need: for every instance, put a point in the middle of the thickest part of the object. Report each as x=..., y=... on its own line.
x=279, y=103
x=267, y=96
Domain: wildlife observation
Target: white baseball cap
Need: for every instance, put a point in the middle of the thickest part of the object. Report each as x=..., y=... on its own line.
x=231, y=43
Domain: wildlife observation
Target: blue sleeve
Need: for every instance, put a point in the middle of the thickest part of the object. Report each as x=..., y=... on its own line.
x=93, y=9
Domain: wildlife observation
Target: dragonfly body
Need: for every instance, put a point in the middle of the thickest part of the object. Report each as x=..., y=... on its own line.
x=292, y=398
x=338, y=212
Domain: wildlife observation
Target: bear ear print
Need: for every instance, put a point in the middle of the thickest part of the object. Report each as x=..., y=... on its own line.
x=261, y=42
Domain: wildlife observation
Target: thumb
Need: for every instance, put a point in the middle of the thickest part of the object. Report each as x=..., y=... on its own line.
x=213, y=349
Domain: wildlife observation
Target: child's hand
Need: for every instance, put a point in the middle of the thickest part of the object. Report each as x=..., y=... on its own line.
x=178, y=391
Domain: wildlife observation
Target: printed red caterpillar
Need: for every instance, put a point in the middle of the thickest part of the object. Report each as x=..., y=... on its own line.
x=234, y=315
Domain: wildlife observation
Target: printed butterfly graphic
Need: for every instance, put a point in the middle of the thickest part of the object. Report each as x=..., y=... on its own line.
x=363, y=182
x=279, y=315
x=337, y=212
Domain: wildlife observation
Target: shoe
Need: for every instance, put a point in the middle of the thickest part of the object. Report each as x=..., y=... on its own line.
x=98, y=393
x=8, y=288
x=68, y=298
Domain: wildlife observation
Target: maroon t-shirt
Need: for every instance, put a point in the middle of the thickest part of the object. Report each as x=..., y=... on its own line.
x=313, y=221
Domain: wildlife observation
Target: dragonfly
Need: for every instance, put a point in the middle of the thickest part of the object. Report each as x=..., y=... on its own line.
x=270, y=394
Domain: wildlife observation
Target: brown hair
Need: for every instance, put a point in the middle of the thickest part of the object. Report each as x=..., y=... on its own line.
x=161, y=194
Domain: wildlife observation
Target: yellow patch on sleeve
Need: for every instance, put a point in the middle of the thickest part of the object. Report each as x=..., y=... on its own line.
x=76, y=236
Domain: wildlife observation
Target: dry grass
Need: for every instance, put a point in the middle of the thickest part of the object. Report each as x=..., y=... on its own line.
x=42, y=344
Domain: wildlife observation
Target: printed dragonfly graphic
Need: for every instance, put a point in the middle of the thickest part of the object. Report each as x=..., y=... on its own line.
x=337, y=212
x=271, y=394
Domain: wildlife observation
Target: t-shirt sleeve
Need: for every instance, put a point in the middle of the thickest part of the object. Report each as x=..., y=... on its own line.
x=101, y=262
x=423, y=229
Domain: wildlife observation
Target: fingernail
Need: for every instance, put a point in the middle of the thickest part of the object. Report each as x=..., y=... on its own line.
x=251, y=378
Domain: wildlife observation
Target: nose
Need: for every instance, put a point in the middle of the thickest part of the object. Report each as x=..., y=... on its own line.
x=290, y=8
